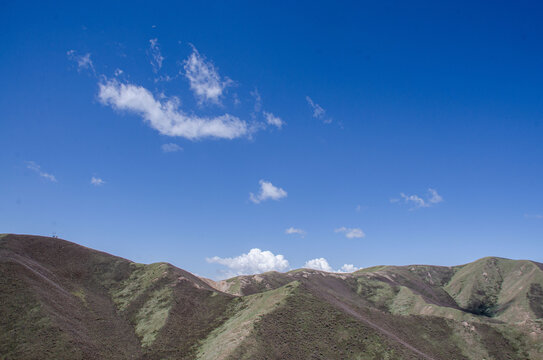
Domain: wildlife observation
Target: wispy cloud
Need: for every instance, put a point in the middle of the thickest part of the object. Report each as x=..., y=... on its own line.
x=170, y=147
x=534, y=216
x=96, y=181
x=418, y=202
x=351, y=233
x=273, y=120
x=360, y=208
x=254, y=262
x=258, y=100
x=83, y=61
x=37, y=169
x=318, y=111
x=267, y=191
x=322, y=265
x=156, y=55
x=204, y=78
x=292, y=230
x=165, y=116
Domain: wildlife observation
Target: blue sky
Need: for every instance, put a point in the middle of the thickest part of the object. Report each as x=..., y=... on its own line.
x=320, y=134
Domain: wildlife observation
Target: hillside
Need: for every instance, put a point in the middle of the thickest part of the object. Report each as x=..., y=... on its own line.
x=60, y=300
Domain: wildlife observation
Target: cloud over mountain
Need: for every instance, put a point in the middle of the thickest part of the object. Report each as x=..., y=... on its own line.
x=254, y=262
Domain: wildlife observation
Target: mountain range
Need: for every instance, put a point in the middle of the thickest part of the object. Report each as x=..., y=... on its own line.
x=60, y=300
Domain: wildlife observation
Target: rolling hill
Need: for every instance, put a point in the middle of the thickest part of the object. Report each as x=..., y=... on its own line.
x=60, y=300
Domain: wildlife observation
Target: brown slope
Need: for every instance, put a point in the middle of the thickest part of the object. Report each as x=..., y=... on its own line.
x=71, y=303
x=317, y=322
x=371, y=298
x=91, y=304
x=61, y=300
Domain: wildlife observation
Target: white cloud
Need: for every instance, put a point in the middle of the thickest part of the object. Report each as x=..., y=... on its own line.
x=168, y=148
x=97, y=181
x=318, y=264
x=349, y=268
x=254, y=262
x=415, y=199
x=418, y=202
x=534, y=216
x=267, y=191
x=351, y=233
x=322, y=265
x=156, y=56
x=37, y=169
x=118, y=72
x=273, y=120
x=318, y=111
x=204, y=79
x=434, y=198
x=292, y=230
x=165, y=116
x=83, y=61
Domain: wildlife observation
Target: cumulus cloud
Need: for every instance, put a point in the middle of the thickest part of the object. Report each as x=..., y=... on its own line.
x=156, y=55
x=273, y=120
x=349, y=268
x=204, y=78
x=292, y=230
x=168, y=148
x=318, y=111
x=165, y=116
x=96, y=181
x=418, y=202
x=351, y=233
x=83, y=61
x=254, y=262
x=318, y=264
x=267, y=191
x=322, y=265
x=37, y=169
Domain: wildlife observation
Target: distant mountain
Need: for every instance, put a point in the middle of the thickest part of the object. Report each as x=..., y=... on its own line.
x=60, y=300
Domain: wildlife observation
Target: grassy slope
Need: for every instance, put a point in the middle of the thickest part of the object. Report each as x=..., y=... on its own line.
x=60, y=300
x=424, y=295
x=500, y=288
x=246, y=313
x=64, y=281
x=305, y=327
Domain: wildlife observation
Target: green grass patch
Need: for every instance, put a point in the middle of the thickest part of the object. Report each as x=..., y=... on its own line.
x=247, y=311
x=152, y=316
x=234, y=286
x=141, y=278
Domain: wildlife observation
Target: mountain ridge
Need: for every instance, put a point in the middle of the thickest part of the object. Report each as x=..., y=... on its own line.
x=63, y=300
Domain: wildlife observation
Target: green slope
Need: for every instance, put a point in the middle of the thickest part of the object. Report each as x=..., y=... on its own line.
x=59, y=300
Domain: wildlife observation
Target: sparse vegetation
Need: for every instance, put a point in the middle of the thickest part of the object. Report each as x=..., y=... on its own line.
x=152, y=316
x=62, y=301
